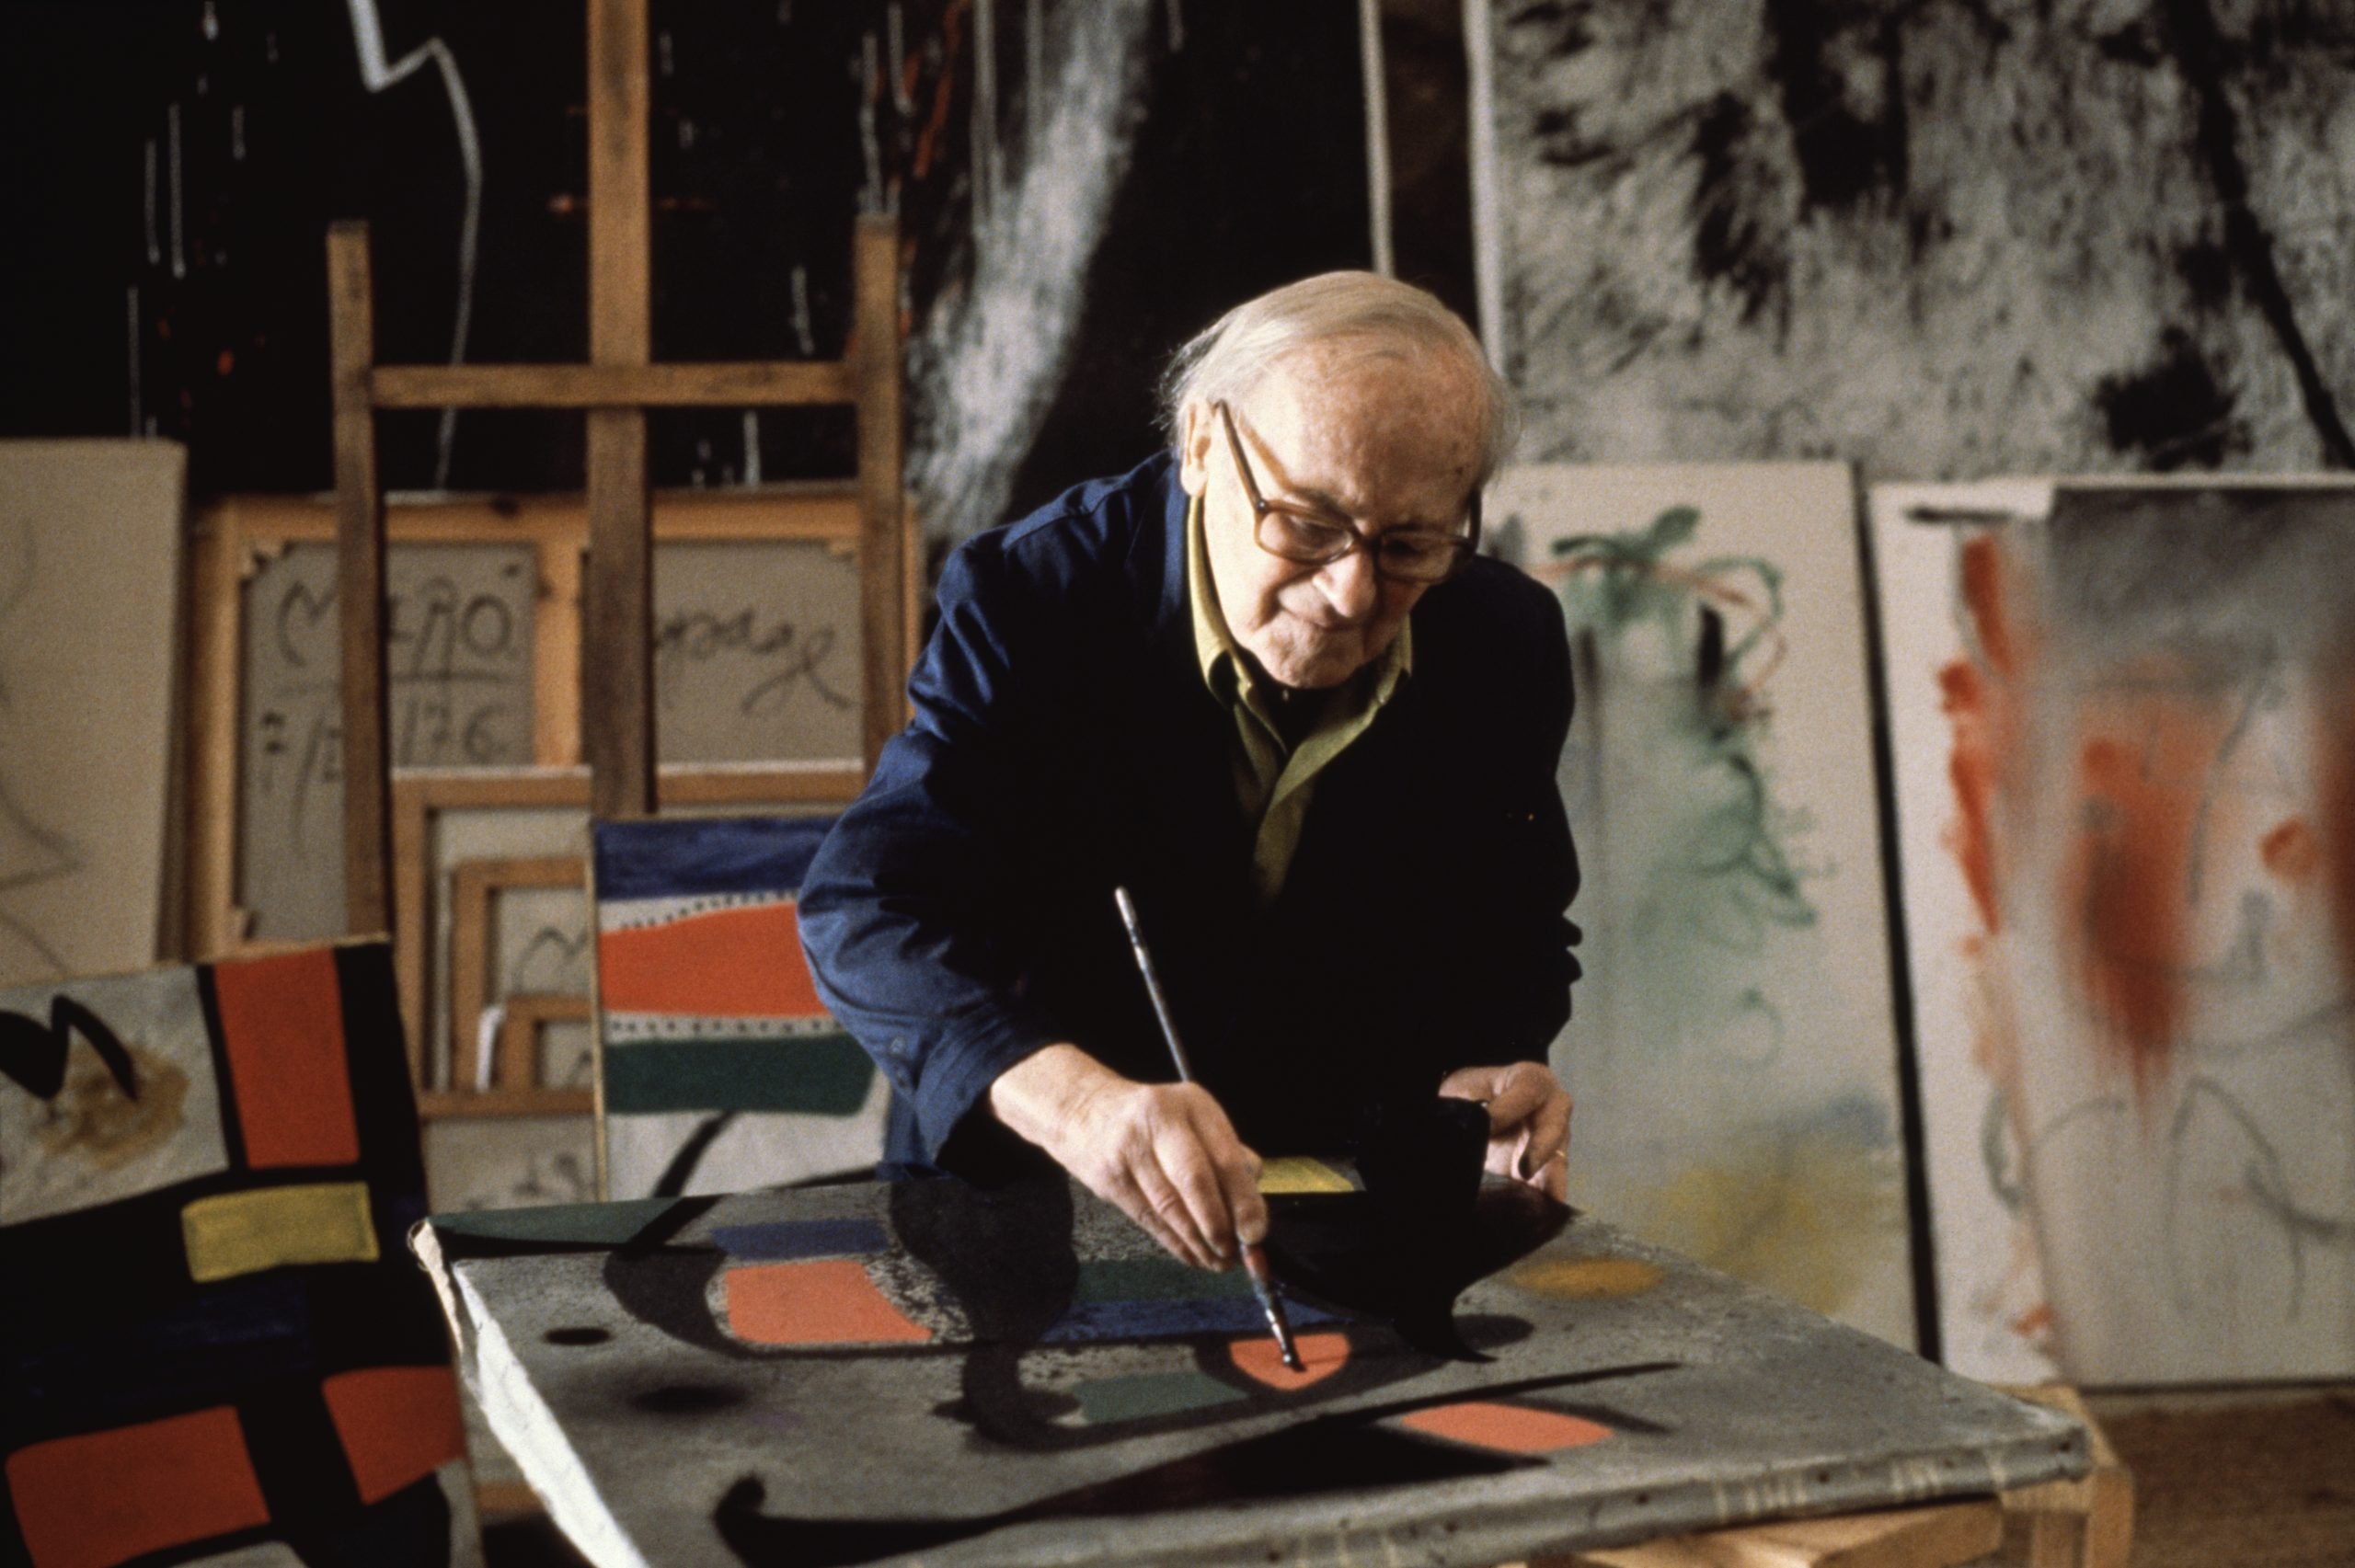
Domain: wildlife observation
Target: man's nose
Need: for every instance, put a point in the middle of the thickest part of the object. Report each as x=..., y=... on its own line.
x=1350, y=585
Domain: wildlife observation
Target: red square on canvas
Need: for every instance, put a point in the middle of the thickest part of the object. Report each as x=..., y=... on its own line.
x=399, y=1425
x=733, y=963
x=282, y=1023
x=96, y=1499
x=831, y=1303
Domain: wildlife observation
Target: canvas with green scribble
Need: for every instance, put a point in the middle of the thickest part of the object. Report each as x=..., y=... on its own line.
x=1732, y=1046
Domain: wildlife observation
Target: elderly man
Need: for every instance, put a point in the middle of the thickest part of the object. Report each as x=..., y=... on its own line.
x=1264, y=682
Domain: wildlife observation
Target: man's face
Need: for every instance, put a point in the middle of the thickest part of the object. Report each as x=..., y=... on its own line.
x=1379, y=438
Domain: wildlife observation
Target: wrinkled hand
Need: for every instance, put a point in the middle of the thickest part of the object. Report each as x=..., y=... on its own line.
x=1163, y=1152
x=1529, y=1122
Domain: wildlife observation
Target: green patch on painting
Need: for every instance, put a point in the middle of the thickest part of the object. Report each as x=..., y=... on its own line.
x=1155, y=1280
x=1141, y=1398
x=566, y=1224
x=818, y=1075
x=1706, y=866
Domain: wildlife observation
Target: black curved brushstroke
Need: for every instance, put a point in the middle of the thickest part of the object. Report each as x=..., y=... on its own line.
x=1005, y=1256
x=672, y=1182
x=2174, y=410
x=1844, y=158
x=1738, y=239
x=34, y=1054
x=665, y=1287
x=2200, y=55
x=1427, y=1225
x=1352, y=1252
x=1346, y=1452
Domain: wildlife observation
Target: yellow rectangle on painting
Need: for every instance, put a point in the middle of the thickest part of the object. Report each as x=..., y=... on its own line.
x=277, y=1227
x=1298, y=1174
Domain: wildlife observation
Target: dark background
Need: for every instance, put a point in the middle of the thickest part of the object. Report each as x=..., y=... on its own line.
x=1246, y=167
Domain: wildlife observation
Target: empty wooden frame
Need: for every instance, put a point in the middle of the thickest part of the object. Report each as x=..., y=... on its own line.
x=476, y=953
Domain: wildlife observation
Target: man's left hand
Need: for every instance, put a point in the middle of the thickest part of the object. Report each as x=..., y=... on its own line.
x=1529, y=1122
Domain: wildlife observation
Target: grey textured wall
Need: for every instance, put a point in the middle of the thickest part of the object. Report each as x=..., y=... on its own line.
x=1946, y=238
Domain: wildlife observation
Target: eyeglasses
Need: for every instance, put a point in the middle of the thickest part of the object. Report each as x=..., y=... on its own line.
x=1402, y=554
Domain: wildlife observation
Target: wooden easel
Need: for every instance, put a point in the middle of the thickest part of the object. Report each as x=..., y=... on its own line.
x=615, y=390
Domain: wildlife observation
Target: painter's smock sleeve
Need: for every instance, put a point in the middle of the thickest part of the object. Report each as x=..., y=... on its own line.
x=896, y=911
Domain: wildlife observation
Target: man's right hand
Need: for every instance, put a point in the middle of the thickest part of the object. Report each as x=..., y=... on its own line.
x=1163, y=1152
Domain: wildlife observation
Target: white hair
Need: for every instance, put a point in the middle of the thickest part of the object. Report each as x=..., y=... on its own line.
x=1229, y=358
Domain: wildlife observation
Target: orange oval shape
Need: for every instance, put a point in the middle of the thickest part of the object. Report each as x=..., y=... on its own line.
x=1505, y=1428
x=1321, y=1355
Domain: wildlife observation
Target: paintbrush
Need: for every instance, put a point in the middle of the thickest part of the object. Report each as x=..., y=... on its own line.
x=1255, y=1257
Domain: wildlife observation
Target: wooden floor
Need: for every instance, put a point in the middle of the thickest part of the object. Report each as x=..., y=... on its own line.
x=2225, y=1479
x=2241, y=1479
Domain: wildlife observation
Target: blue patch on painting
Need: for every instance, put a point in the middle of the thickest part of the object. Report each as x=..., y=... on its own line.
x=1090, y=1320
x=682, y=857
x=788, y=1241
x=1155, y=1280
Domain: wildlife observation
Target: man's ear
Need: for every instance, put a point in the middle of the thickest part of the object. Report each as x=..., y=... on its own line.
x=1194, y=448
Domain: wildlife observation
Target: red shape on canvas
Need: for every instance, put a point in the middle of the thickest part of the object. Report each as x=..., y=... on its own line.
x=738, y=963
x=1982, y=702
x=1321, y=1355
x=101, y=1497
x=2291, y=851
x=1505, y=1428
x=2146, y=754
x=399, y=1425
x=831, y=1303
x=282, y=1024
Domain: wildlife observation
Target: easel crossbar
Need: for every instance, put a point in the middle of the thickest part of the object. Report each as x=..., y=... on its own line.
x=744, y=384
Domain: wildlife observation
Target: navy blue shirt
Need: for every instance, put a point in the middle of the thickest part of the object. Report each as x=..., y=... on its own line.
x=961, y=917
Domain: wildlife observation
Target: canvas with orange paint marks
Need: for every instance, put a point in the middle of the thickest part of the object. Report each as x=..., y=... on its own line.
x=214, y=1344
x=719, y=1066
x=1733, y=1041
x=2126, y=800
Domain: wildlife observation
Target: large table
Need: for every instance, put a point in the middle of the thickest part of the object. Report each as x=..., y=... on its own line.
x=925, y=1371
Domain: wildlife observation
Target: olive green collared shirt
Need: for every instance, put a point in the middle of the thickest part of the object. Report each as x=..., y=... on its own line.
x=1274, y=777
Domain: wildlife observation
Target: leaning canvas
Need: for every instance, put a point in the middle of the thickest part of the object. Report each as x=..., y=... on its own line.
x=2127, y=810
x=719, y=1069
x=1732, y=1045
x=89, y=641
x=215, y=1345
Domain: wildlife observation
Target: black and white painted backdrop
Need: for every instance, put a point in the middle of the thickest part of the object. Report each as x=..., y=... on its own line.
x=1080, y=184
x=1940, y=237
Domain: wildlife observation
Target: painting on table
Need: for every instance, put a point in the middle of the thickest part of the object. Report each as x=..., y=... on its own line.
x=874, y=1372
x=209, y=1171
x=719, y=1068
x=2127, y=812
x=1732, y=1044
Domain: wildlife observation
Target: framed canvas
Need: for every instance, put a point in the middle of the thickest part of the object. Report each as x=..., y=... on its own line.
x=519, y=969
x=757, y=657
